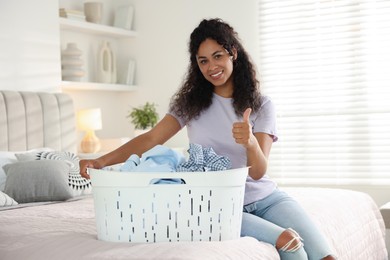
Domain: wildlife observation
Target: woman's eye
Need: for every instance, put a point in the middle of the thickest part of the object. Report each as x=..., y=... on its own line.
x=217, y=57
x=203, y=61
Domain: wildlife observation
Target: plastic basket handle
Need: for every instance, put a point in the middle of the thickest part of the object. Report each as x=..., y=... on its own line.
x=167, y=181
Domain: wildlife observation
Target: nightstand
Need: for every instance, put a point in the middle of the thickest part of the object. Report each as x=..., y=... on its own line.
x=108, y=145
x=385, y=211
x=83, y=156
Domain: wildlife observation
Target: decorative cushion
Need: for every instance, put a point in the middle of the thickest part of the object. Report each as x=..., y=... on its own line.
x=6, y=200
x=7, y=157
x=34, y=181
x=78, y=184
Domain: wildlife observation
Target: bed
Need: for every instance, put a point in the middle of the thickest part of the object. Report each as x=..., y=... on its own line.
x=63, y=227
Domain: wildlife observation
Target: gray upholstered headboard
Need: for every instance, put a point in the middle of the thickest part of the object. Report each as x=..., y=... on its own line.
x=35, y=119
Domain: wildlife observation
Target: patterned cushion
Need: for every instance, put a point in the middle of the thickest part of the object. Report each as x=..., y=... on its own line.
x=79, y=185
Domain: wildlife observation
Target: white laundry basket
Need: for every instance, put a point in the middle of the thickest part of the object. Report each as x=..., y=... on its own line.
x=208, y=207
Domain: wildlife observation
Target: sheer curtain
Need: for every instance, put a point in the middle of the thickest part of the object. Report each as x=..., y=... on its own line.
x=326, y=66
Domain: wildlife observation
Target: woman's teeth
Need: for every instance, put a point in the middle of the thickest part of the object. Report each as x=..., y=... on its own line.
x=216, y=74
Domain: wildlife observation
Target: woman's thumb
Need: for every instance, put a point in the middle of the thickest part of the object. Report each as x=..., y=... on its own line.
x=246, y=114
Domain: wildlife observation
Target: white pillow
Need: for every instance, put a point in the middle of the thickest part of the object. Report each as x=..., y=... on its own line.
x=5, y=158
x=6, y=200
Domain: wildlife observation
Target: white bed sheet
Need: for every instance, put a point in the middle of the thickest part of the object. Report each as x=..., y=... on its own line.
x=67, y=231
x=350, y=220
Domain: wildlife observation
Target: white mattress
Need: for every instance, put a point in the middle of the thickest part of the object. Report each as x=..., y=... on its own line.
x=350, y=220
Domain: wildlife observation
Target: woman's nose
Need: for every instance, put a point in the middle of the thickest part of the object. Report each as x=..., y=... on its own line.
x=212, y=65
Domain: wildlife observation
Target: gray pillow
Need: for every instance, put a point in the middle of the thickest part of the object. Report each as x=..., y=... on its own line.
x=78, y=184
x=34, y=181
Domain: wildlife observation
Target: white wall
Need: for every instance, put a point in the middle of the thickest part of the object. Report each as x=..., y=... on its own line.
x=29, y=44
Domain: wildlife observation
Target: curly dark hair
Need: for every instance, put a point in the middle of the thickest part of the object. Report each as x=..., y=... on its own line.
x=196, y=93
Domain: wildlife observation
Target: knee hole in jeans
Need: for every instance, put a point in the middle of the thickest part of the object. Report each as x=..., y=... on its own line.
x=289, y=241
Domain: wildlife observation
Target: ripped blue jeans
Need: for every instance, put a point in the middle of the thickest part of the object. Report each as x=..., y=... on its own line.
x=268, y=218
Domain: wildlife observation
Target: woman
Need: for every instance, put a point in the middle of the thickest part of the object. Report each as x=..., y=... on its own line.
x=221, y=105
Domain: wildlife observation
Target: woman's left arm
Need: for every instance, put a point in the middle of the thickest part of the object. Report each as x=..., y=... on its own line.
x=257, y=155
x=258, y=146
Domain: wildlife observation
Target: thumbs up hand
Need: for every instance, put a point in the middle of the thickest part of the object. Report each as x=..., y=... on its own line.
x=242, y=131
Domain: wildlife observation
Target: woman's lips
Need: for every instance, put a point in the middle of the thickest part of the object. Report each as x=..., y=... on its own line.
x=216, y=75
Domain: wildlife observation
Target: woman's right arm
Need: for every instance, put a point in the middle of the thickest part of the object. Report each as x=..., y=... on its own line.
x=161, y=133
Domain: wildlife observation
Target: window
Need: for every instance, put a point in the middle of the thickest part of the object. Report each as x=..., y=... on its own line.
x=326, y=66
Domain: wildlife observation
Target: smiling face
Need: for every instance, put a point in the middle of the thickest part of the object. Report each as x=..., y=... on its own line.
x=216, y=65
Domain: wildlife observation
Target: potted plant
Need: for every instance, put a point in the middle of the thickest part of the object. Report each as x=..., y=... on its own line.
x=143, y=117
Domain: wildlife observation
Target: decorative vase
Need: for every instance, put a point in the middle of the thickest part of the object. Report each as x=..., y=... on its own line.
x=105, y=62
x=93, y=12
x=71, y=63
x=113, y=66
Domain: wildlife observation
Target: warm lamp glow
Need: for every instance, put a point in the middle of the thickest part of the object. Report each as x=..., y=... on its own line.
x=90, y=120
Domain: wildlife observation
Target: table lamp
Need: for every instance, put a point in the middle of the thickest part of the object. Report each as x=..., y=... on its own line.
x=89, y=120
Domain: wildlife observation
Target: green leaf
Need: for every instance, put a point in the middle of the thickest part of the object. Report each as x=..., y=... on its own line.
x=144, y=116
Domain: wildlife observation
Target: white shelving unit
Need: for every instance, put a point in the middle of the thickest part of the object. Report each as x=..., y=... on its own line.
x=93, y=28
x=73, y=85
x=99, y=30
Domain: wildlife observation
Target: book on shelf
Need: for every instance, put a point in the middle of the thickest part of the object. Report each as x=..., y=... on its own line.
x=72, y=14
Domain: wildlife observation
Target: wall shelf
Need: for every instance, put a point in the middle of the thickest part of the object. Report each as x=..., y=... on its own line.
x=82, y=86
x=93, y=28
x=84, y=27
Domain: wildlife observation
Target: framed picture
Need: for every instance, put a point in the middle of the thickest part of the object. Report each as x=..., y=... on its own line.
x=124, y=17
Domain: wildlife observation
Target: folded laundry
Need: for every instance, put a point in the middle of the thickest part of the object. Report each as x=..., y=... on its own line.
x=164, y=159
x=157, y=159
x=130, y=163
x=203, y=159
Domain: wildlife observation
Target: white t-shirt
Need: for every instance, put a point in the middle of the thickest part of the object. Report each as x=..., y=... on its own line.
x=213, y=128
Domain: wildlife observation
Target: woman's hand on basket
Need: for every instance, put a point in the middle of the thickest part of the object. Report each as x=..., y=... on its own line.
x=84, y=164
